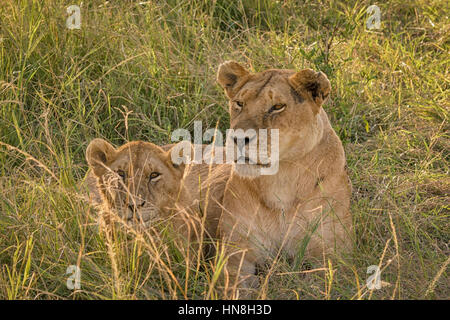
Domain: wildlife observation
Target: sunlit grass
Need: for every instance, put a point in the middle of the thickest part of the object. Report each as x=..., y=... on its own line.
x=140, y=70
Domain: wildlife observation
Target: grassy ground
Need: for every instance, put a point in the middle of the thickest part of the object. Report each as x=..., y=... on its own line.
x=141, y=70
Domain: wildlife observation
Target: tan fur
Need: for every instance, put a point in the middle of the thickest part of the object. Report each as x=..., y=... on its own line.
x=176, y=196
x=309, y=196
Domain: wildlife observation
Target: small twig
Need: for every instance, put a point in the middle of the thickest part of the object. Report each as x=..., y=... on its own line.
x=297, y=272
x=30, y=157
x=436, y=278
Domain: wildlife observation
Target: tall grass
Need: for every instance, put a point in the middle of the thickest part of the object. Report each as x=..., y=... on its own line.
x=139, y=70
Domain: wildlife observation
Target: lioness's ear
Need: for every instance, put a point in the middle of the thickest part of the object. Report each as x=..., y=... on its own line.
x=98, y=153
x=180, y=154
x=229, y=75
x=313, y=85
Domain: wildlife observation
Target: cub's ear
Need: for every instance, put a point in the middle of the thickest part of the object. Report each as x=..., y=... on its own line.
x=180, y=155
x=98, y=153
x=229, y=75
x=312, y=85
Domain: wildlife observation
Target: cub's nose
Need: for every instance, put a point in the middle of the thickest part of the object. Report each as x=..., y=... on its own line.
x=134, y=207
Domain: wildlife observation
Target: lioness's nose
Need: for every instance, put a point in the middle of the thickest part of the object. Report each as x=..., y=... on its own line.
x=246, y=139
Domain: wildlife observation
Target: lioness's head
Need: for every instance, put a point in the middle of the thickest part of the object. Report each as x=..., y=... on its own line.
x=137, y=180
x=286, y=100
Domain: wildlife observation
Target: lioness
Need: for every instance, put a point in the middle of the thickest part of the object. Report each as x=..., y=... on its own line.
x=140, y=184
x=306, y=203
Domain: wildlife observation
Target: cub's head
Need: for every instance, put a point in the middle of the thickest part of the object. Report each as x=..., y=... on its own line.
x=136, y=180
x=286, y=100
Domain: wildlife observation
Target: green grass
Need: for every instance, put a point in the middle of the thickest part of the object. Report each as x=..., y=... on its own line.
x=139, y=71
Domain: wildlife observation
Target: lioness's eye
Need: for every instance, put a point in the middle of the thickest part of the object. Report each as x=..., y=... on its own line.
x=121, y=174
x=154, y=176
x=277, y=108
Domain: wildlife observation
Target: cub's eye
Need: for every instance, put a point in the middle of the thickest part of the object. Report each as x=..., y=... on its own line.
x=154, y=176
x=240, y=104
x=121, y=174
x=277, y=108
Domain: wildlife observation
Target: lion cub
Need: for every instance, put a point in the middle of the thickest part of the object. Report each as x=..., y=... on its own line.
x=140, y=185
x=304, y=206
